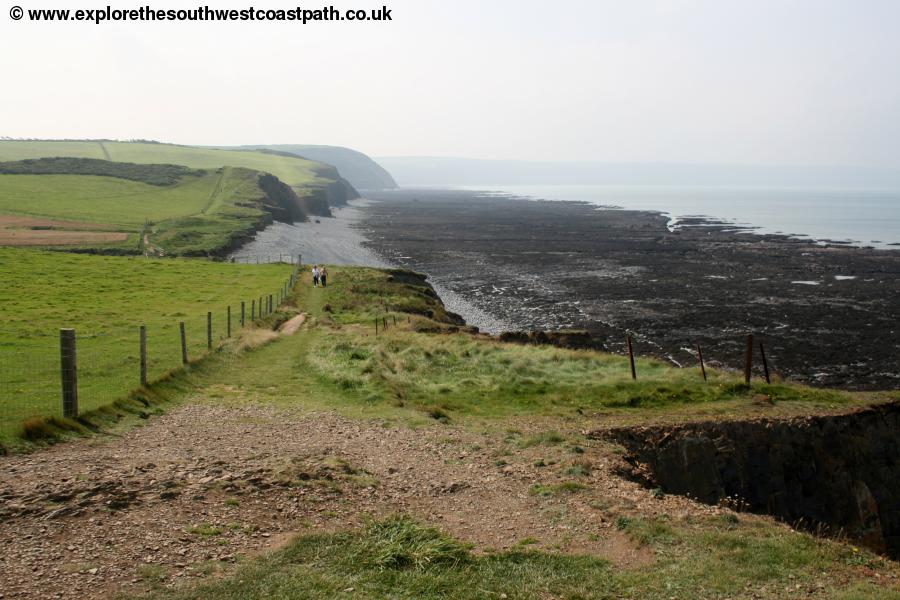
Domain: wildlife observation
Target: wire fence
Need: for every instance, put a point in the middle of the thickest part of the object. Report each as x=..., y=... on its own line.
x=36, y=371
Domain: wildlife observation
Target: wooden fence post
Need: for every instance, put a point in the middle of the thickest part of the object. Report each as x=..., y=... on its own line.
x=631, y=358
x=700, y=356
x=228, y=323
x=376, y=325
x=68, y=372
x=209, y=331
x=748, y=360
x=253, y=310
x=242, y=314
x=143, y=356
x=184, y=357
x=762, y=351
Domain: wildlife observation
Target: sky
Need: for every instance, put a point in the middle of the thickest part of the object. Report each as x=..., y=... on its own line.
x=771, y=82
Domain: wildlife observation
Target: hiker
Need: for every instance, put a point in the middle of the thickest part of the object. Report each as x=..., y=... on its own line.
x=323, y=276
x=315, y=273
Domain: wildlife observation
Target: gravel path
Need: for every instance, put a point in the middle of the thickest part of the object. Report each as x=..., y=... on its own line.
x=196, y=489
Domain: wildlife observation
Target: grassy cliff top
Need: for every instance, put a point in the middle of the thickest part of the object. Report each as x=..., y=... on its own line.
x=293, y=170
x=421, y=461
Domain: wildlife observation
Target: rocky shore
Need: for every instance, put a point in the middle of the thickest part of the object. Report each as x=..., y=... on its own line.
x=826, y=313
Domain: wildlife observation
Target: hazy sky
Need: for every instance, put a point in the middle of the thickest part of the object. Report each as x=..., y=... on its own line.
x=725, y=81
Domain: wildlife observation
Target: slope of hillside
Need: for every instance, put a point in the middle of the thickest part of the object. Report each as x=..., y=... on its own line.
x=313, y=182
x=129, y=208
x=357, y=168
x=477, y=447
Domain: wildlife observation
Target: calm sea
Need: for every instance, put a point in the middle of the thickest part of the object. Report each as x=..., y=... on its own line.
x=861, y=217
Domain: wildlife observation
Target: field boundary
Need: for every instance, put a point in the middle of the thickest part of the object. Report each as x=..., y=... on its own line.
x=62, y=370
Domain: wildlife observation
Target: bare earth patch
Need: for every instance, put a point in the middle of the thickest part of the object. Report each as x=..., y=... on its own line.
x=19, y=230
x=291, y=326
x=200, y=488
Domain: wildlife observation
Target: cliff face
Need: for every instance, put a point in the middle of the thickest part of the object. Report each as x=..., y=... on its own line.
x=338, y=191
x=360, y=171
x=842, y=472
x=281, y=200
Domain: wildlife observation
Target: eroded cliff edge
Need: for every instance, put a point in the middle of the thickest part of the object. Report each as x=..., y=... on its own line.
x=840, y=473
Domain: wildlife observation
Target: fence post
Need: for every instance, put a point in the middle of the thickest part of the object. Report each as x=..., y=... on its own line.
x=228, y=323
x=209, y=331
x=242, y=314
x=184, y=357
x=260, y=308
x=253, y=310
x=68, y=372
x=376, y=325
x=271, y=307
x=762, y=351
x=748, y=360
x=631, y=359
x=143, y=356
x=700, y=356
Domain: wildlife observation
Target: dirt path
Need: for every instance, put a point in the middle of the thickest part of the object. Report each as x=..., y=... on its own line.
x=227, y=475
x=105, y=151
x=291, y=326
x=204, y=485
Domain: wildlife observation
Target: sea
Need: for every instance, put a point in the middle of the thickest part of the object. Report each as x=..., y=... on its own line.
x=859, y=217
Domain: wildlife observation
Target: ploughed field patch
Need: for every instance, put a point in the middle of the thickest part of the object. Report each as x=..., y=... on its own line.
x=17, y=230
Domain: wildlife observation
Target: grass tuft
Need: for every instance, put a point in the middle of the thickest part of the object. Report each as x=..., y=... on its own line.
x=399, y=543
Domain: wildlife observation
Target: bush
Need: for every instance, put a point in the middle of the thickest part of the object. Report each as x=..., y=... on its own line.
x=152, y=174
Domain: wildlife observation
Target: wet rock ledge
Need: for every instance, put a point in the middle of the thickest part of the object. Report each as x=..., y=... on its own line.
x=840, y=474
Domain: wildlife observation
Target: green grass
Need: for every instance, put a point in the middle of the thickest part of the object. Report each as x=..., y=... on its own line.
x=400, y=558
x=296, y=172
x=403, y=375
x=198, y=215
x=106, y=200
x=106, y=299
x=460, y=379
x=152, y=174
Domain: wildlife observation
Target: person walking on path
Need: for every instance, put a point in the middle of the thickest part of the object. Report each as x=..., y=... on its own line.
x=315, y=274
x=323, y=276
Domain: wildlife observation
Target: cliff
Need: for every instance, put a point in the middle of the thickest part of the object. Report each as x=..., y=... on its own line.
x=359, y=170
x=837, y=472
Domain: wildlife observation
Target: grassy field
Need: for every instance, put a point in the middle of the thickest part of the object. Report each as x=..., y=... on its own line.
x=105, y=200
x=199, y=213
x=294, y=171
x=106, y=299
x=423, y=373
